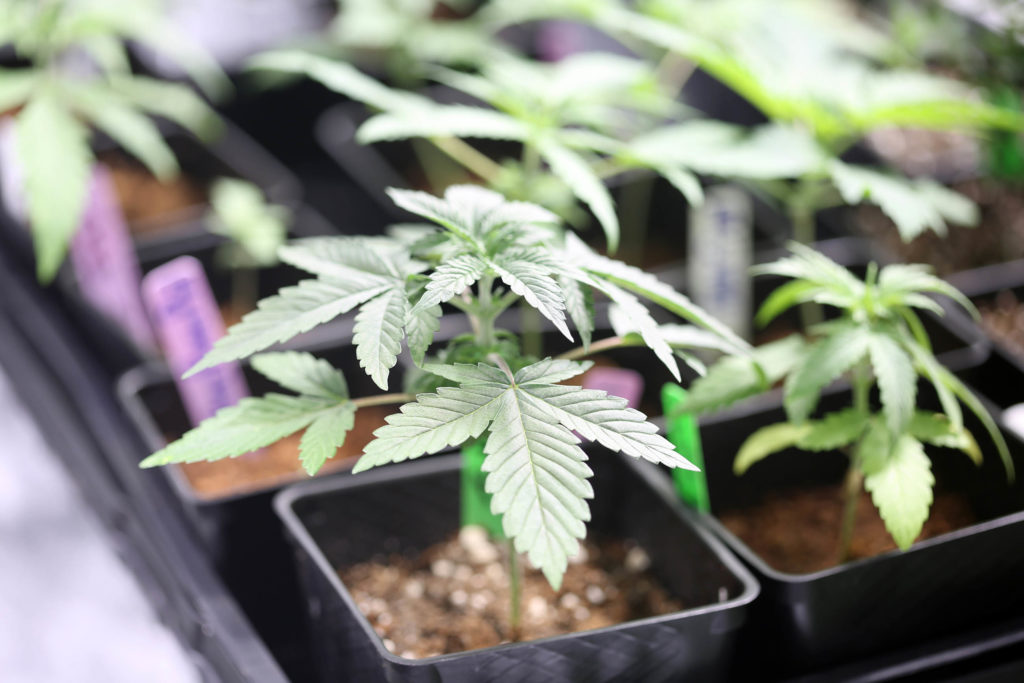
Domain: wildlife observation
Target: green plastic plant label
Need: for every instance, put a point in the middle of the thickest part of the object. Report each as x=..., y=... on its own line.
x=188, y=322
x=476, y=502
x=719, y=256
x=683, y=432
x=106, y=266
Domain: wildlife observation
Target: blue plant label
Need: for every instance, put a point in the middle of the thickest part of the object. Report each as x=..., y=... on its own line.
x=188, y=322
x=720, y=253
x=105, y=264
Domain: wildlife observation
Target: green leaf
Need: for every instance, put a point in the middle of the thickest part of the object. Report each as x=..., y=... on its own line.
x=687, y=183
x=833, y=431
x=459, y=211
x=575, y=172
x=535, y=284
x=436, y=121
x=826, y=360
x=579, y=304
x=785, y=297
x=303, y=373
x=937, y=430
x=324, y=436
x=736, y=377
x=420, y=327
x=627, y=315
x=15, y=86
x=132, y=130
x=897, y=381
x=897, y=281
x=901, y=489
x=915, y=206
x=53, y=148
x=291, y=311
x=449, y=280
x=173, y=101
x=248, y=426
x=768, y=440
x=363, y=260
x=378, y=333
x=537, y=476
x=339, y=77
x=551, y=371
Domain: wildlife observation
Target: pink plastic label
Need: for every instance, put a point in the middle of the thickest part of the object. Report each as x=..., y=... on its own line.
x=105, y=263
x=188, y=322
x=627, y=384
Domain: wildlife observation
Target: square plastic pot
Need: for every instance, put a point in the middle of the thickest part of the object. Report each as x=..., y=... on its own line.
x=940, y=586
x=405, y=508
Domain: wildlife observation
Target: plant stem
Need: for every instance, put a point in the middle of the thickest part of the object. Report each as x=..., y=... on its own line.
x=484, y=319
x=636, y=203
x=514, y=592
x=469, y=157
x=596, y=347
x=851, y=496
x=531, y=163
x=244, y=290
x=382, y=400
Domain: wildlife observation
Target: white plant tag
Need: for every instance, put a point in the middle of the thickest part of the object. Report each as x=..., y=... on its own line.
x=720, y=253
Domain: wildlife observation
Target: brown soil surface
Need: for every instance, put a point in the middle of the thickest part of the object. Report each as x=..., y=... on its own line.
x=278, y=463
x=932, y=153
x=999, y=237
x=454, y=596
x=1004, y=320
x=145, y=200
x=798, y=532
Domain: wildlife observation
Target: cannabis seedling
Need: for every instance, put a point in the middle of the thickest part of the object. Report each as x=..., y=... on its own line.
x=481, y=254
x=55, y=104
x=877, y=340
x=255, y=231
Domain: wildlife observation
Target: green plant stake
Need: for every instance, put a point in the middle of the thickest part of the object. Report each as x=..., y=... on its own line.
x=681, y=429
x=475, y=501
x=1005, y=151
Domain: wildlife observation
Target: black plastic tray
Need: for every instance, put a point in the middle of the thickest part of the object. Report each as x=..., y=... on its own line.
x=349, y=519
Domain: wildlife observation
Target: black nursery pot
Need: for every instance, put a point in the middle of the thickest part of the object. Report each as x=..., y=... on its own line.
x=941, y=586
x=339, y=522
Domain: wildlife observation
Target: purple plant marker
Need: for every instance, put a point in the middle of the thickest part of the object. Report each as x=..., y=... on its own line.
x=105, y=263
x=621, y=382
x=188, y=322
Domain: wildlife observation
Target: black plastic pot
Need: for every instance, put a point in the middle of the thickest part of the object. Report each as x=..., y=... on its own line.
x=344, y=520
x=941, y=586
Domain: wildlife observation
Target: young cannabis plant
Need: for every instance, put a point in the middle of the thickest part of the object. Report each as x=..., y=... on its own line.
x=480, y=254
x=55, y=104
x=819, y=87
x=568, y=116
x=878, y=339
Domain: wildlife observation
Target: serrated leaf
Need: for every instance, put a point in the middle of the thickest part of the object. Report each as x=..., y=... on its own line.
x=433, y=422
x=378, y=333
x=449, y=279
x=127, y=127
x=937, y=430
x=901, y=489
x=53, y=149
x=458, y=211
x=766, y=441
x=896, y=282
x=579, y=304
x=291, y=311
x=627, y=315
x=826, y=360
x=535, y=284
x=243, y=428
x=420, y=327
x=833, y=431
x=897, y=381
x=303, y=373
x=736, y=377
x=362, y=259
x=598, y=416
x=783, y=298
x=324, y=436
x=577, y=174
x=437, y=121
x=915, y=206
x=551, y=371
x=173, y=101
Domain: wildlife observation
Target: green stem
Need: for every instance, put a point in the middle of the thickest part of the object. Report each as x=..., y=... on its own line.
x=597, y=347
x=469, y=157
x=531, y=163
x=382, y=400
x=514, y=592
x=851, y=495
x=484, y=325
x=800, y=208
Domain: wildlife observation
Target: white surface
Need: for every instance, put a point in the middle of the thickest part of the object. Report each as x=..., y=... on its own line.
x=70, y=611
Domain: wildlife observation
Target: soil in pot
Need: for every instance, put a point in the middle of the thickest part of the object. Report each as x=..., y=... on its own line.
x=144, y=199
x=798, y=531
x=1003, y=318
x=453, y=597
x=998, y=237
x=279, y=462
